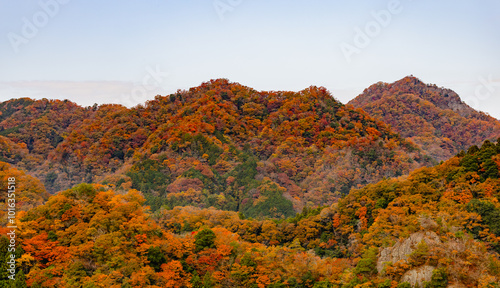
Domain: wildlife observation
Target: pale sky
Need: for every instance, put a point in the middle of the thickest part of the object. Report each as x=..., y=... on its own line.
x=129, y=51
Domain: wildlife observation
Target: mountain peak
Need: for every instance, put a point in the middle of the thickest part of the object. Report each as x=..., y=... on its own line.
x=436, y=118
x=410, y=79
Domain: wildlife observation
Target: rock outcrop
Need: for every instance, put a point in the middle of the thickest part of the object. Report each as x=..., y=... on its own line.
x=402, y=250
x=418, y=275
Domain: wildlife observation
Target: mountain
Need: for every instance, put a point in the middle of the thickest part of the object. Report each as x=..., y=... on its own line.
x=31, y=129
x=229, y=167
x=436, y=227
x=220, y=144
x=434, y=118
x=430, y=223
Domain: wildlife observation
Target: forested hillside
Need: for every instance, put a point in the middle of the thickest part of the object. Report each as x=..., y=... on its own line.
x=220, y=144
x=201, y=188
x=437, y=227
x=434, y=118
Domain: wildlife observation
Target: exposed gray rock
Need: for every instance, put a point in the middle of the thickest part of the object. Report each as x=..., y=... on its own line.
x=427, y=223
x=418, y=275
x=401, y=250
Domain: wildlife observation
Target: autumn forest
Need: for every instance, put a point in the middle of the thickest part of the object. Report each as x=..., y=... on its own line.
x=221, y=185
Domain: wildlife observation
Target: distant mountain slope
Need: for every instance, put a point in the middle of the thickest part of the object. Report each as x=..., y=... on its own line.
x=444, y=212
x=221, y=144
x=436, y=227
x=434, y=118
x=226, y=146
x=28, y=192
x=436, y=221
x=38, y=126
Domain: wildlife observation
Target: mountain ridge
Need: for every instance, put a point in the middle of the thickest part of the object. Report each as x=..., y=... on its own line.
x=310, y=147
x=226, y=144
x=435, y=118
x=227, y=168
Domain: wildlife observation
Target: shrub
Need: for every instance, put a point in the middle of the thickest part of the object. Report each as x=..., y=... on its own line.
x=205, y=239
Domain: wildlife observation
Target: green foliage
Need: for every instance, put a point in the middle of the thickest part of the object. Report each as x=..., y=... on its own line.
x=246, y=171
x=355, y=282
x=381, y=203
x=213, y=184
x=241, y=216
x=77, y=272
x=156, y=257
x=404, y=285
x=199, y=145
x=493, y=265
x=278, y=285
x=196, y=281
x=274, y=204
x=65, y=208
x=10, y=107
x=368, y=263
x=82, y=191
x=4, y=244
x=386, y=284
x=13, y=130
x=333, y=252
x=439, y=279
x=323, y=284
x=20, y=279
x=306, y=213
x=50, y=178
x=247, y=260
x=419, y=256
x=156, y=202
x=489, y=215
x=205, y=282
x=149, y=175
x=205, y=239
x=52, y=236
x=480, y=160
